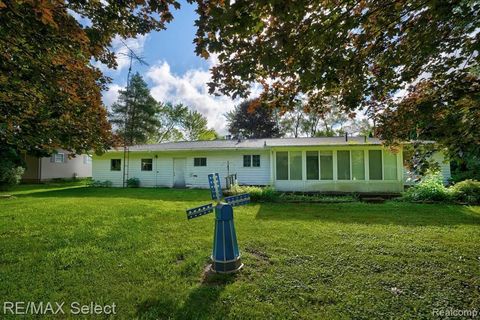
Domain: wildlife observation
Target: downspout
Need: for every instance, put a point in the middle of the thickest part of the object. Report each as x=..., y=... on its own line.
x=39, y=171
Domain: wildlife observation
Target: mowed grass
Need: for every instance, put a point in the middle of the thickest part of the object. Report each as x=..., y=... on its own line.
x=135, y=247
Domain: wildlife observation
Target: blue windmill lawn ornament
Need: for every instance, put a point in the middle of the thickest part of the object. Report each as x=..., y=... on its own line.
x=225, y=253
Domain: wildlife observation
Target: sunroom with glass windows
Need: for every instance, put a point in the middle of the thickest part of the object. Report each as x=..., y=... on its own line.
x=337, y=169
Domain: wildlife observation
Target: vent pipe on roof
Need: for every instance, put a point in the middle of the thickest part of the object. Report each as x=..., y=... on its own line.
x=346, y=137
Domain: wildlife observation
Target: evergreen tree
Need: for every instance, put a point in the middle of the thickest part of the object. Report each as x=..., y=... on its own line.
x=135, y=114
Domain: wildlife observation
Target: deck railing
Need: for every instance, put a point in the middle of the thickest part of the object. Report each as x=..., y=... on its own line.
x=230, y=180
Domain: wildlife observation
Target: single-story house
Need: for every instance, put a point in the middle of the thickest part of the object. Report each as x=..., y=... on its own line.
x=57, y=166
x=337, y=164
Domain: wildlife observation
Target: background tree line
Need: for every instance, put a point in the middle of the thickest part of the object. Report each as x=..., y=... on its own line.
x=255, y=119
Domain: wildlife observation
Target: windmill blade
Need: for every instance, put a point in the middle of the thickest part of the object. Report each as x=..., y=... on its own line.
x=238, y=200
x=215, y=186
x=199, y=211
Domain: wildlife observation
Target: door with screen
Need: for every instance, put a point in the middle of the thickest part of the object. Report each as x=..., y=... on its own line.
x=179, y=172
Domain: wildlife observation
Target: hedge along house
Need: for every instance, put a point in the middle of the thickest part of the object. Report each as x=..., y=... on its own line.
x=333, y=164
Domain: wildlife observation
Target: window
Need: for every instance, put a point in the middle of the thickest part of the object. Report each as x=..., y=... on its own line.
x=256, y=160
x=375, y=164
x=199, y=162
x=115, y=165
x=312, y=165
x=87, y=160
x=326, y=165
x=343, y=165
x=390, y=165
x=146, y=164
x=247, y=160
x=295, y=165
x=358, y=165
x=59, y=158
x=251, y=160
x=282, y=165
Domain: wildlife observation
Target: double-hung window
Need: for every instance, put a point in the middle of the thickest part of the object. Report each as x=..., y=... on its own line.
x=199, y=162
x=59, y=158
x=115, y=165
x=146, y=164
x=251, y=160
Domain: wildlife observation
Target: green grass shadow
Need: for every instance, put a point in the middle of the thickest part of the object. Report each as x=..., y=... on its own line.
x=390, y=213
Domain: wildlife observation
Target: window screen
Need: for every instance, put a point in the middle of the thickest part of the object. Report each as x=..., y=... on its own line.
x=312, y=165
x=59, y=158
x=358, y=165
x=375, y=164
x=343, y=165
x=326, y=165
x=256, y=160
x=296, y=165
x=146, y=164
x=282, y=165
x=199, y=162
x=247, y=160
x=390, y=163
x=115, y=164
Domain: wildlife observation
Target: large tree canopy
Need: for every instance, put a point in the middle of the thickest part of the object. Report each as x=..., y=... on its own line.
x=50, y=94
x=360, y=52
x=252, y=121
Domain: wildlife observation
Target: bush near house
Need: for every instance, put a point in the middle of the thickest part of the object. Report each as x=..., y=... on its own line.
x=431, y=188
x=257, y=194
x=133, y=183
x=467, y=191
x=100, y=184
x=11, y=169
x=269, y=194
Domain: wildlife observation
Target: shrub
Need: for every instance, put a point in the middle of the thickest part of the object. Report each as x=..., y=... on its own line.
x=100, y=184
x=431, y=188
x=10, y=175
x=133, y=183
x=467, y=191
x=11, y=168
x=317, y=198
x=256, y=193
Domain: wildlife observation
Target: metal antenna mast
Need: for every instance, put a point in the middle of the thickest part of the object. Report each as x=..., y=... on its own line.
x=126, y=152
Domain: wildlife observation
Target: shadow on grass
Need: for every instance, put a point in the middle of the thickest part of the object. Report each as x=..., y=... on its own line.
x=390, y=213
x=165, y=194
x=201, y=303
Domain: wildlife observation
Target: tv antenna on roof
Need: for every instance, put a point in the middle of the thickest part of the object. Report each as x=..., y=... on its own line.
x=133, y=57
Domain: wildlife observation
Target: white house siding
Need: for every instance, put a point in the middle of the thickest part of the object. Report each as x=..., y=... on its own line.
x=336, y=185
x=439, y=157
x=77, y=166
x=195, y=177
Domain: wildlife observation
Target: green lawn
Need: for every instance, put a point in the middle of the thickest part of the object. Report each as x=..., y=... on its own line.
x=136, y=248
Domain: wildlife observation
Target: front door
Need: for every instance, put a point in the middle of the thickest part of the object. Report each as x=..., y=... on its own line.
x=179, y=173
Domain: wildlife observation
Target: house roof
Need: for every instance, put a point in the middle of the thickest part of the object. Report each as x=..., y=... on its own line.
x=254, y=143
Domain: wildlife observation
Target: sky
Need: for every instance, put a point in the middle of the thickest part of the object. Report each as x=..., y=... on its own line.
x=174, y=74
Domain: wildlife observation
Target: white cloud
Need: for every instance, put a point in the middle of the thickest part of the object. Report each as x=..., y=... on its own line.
x=190, y=89
x=119, y=46
x=111, y=95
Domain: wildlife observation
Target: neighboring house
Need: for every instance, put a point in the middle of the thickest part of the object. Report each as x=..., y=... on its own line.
x=57, y=166
x=356, y=164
